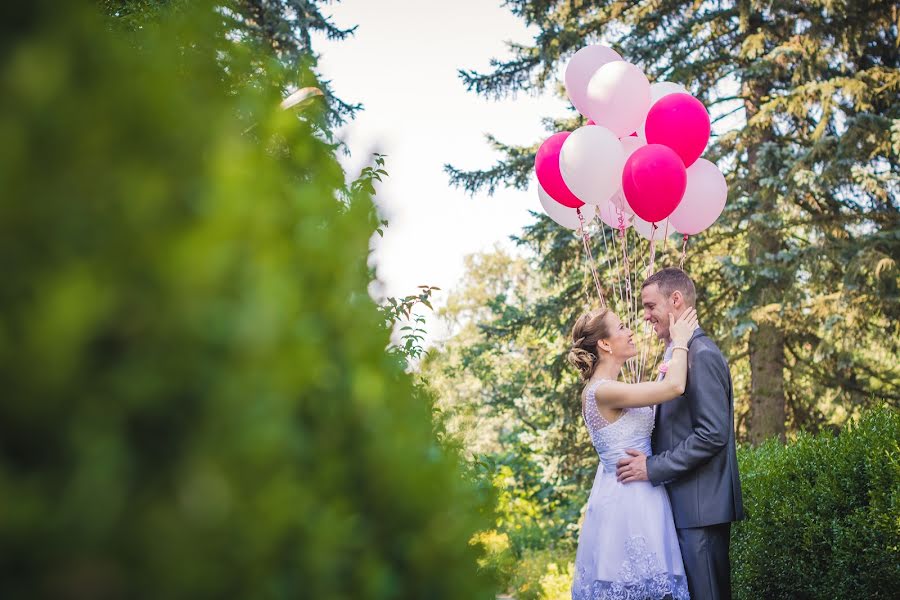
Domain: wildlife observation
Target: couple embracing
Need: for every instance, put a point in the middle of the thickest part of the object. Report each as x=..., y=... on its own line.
x=659, y=516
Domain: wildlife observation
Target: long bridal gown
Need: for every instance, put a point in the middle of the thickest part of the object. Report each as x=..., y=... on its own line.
x=628, y=547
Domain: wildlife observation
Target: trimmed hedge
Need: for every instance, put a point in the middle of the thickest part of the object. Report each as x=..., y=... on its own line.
x=823, y=515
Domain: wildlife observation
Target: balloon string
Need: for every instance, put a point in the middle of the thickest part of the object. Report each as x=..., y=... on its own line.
x=622, y=306
x=617, y=284
x=651, y=262
x=629, y=298
x=683, y=252
x=590, y=255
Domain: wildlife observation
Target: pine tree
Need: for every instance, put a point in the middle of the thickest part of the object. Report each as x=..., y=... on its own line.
x=799, y=276
x=282, y=29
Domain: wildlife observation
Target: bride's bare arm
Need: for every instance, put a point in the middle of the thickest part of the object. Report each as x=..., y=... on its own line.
x=631, y=395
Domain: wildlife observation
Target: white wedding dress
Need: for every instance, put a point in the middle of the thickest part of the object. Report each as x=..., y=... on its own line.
x=628, y=547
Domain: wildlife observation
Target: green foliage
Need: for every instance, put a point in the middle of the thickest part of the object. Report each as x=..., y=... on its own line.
x=543, y=575
x=282, y=30
x=823, y=515
x=499, y=562
x=556, y=583
x=399, y=311
x=197, y=398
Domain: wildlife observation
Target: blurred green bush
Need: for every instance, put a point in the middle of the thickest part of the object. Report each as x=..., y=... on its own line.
x=197, y=401
x=823, y=515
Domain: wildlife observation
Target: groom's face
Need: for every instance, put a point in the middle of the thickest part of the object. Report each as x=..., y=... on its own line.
x=657, y=309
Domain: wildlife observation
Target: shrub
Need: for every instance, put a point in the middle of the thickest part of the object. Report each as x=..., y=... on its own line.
x=197, y=400
x=543, y=575
x=823, y=515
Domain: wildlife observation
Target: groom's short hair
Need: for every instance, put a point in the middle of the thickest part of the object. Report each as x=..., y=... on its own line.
x=671, y=279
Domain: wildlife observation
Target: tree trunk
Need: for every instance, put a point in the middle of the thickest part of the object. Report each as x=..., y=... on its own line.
x=767, y=406
x=766, y=346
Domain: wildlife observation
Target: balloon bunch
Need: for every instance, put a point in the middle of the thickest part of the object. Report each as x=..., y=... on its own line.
x=635, y=164
x=638, y=154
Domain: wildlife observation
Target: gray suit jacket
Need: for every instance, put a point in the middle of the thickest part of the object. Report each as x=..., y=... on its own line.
x=693, y=443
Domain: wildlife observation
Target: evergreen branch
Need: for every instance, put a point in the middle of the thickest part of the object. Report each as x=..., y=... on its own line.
x=506, y=79
x=513, y=171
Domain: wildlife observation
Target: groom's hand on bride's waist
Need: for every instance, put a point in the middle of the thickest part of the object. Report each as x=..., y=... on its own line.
x=633, y=468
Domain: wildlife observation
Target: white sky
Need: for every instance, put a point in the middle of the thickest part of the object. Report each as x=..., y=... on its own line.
x=402, y=65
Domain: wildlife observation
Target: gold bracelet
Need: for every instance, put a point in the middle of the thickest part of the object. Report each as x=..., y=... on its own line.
x=685, y=348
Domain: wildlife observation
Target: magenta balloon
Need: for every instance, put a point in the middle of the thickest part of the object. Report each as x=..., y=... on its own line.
x=546, y=166
x=680, y=122
x=654, y=180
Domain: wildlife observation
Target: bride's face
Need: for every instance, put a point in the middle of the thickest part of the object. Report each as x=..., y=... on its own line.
x=620, y=340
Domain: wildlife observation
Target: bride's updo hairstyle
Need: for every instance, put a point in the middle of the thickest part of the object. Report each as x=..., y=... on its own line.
x=589, y=329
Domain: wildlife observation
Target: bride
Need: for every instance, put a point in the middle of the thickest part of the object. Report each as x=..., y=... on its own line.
x=628, y=547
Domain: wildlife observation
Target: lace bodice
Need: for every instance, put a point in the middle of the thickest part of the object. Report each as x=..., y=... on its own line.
x=631, y=430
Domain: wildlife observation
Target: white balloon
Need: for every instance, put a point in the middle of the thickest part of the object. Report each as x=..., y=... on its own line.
x=618, y=97
x=581, y=67
x=591, y=162
x=565, y=216
x=657, y=91
x=646, y=230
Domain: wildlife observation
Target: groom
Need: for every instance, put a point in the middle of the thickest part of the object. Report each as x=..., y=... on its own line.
x=693, y=445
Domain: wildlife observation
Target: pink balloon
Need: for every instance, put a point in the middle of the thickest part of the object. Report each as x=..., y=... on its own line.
x=581, y=68
x=680, y=122
x=619, y=203
x=704, y=198
x=654, y=180
x=546, y=166
x=618, y=97
x=610, y=210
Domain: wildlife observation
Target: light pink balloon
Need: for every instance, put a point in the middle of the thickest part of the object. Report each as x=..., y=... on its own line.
x=618, y=97
x=661, y=89
x=546, y=167
x=704, y=198
x=654, y=180
x=610, y=210
x=631, y=143
x=581, y=68
x=647, y=232
x=680, y=122
x=657, y=91
x=565, y=216
x=618, y=201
